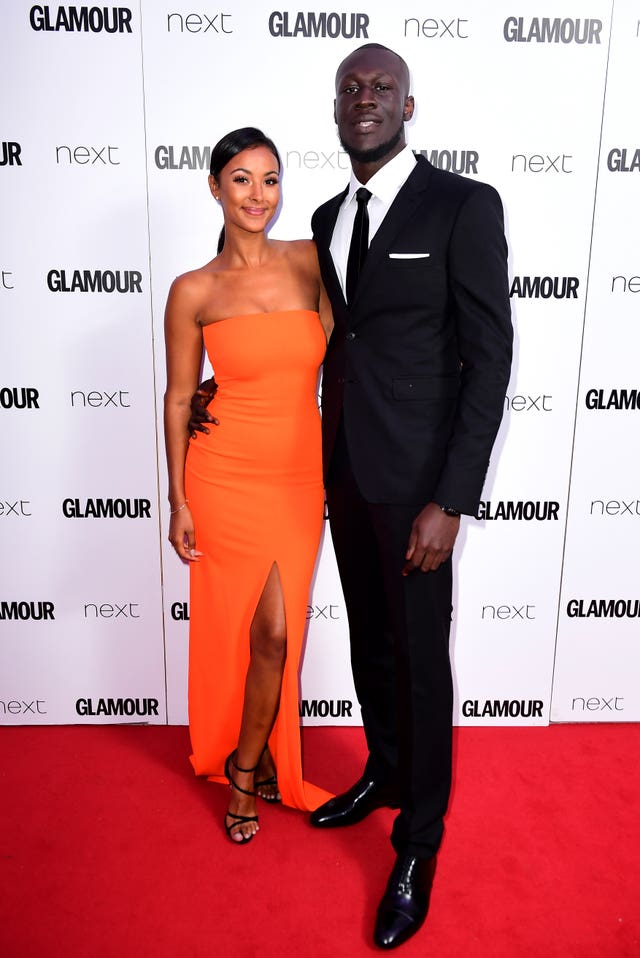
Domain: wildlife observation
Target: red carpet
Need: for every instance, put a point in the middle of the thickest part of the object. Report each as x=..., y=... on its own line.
x=110, y=847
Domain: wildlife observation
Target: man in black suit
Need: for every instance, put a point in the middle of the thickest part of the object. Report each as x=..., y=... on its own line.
x=412, y=397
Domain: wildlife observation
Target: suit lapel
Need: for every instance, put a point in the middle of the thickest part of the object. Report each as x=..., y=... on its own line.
x=400, y=211
x=323, y=234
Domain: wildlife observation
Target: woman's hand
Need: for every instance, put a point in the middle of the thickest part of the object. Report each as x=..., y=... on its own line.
x=182, y=535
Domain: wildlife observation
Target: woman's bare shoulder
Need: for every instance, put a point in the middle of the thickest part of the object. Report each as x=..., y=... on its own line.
x=301, y=247
x=200, y=276
x=304, y=252
x=196, y=283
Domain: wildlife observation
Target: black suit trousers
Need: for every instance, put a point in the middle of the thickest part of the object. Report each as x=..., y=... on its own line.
x=399, y=633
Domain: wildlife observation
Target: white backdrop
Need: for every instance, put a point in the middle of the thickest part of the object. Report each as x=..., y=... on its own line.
x=106, y=126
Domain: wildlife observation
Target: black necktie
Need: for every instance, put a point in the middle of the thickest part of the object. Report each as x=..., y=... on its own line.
x=359, y=243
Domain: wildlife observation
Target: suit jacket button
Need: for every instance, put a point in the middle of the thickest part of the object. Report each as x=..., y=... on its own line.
x=350, y=336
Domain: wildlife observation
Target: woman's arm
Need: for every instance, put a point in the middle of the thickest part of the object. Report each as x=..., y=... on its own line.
x=324, y=306
x=326, y=313
x=183, y=342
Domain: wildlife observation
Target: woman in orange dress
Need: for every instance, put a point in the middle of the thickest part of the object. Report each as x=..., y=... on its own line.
x=246, y=499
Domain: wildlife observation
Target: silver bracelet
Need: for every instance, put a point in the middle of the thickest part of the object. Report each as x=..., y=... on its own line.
x=180, y=508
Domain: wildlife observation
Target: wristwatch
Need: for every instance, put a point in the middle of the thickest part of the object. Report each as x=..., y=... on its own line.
x=448, y=511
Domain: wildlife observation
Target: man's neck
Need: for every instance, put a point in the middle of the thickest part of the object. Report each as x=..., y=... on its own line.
x=364, y=171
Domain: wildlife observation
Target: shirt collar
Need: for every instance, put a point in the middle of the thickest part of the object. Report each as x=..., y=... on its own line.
x=386, y=183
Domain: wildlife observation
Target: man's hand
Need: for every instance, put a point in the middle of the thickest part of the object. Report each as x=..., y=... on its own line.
x=199, y=413
x=433, y=534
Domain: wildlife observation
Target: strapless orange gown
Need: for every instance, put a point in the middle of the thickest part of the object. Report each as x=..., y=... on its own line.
x=254, y=486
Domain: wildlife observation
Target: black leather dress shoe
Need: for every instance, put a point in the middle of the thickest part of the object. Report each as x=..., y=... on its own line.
x=405, y=903
x=354, y=805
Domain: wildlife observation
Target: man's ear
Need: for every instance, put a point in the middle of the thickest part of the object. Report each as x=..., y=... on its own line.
x=409, y=107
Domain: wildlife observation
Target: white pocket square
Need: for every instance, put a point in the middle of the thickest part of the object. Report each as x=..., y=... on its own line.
x=408, y=255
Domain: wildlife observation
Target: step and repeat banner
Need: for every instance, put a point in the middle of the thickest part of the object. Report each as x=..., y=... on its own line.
x=107, y=121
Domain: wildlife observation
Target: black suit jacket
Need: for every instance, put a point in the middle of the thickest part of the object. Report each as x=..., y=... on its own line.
x=419, y=366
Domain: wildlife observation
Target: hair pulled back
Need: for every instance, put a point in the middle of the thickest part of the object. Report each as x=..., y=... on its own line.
x=246, y=138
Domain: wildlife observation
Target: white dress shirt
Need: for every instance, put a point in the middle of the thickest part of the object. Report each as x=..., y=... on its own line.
x=384, y=187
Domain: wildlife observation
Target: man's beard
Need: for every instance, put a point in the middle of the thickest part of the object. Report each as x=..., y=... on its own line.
x=375, y=153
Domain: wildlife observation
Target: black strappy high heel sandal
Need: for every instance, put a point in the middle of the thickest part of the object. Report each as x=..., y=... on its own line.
x=272, y=780
x=237, y=819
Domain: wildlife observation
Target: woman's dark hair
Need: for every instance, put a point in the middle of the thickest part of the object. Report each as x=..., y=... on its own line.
x=246, y=138
x=235, y=142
